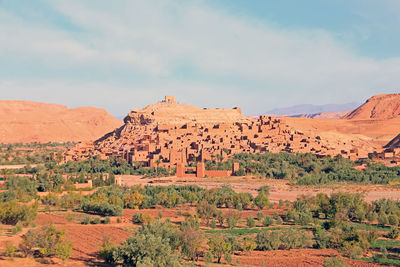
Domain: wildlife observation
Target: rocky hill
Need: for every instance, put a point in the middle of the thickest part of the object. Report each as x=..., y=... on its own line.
x=321, y=115
x=169, y=133
x=379, y=107
x=25, y=121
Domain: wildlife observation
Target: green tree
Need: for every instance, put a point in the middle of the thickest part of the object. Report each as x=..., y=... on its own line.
x=218, y=246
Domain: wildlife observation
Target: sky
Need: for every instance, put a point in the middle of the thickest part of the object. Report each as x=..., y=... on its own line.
x=255, y=54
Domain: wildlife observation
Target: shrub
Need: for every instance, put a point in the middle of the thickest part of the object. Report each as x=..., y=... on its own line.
x=147, y=218
x=335, y=262
x=133, y=201
x=269, y=240
x=393, y=220
x=250, y=222
x=103, y=208
x=137, y=218
x=50, y=242
x=232, y=218
x=228, y=258
x=247, y=244
x=260, y=215
x=279, y=220
x=264, y=190
x=393, y=233
x=17, y=228
x=295, y=239
x=261, y=201
x=10, y=250
x=12, y=212
x=69, y=217
x=160, y=214
x=70, y=201
x=351, y=250
x=213, y=224
x=208, y=257
x=383, y=219
x=206, y=211
x=322, y=238
x=268, y=221
x=107, y=220
x=86, y=220
x=303, y=218
x=96, y=220
x=108, y=251
x=372, y=216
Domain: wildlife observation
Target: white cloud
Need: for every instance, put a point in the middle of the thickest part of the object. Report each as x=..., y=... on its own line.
x=153, y=38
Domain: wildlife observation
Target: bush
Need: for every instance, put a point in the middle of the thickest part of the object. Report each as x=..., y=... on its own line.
x=206, y=211
x=12, y=212
x=279, y=220
x=250, y=222
x=295, y=239
x=322, y=238
x=393, y=233
x=393, y=220
x=232, y=218
x=96, y=220
x=351, y=250
x=10, y=250
x=86, y=220
x=17, y=228
x=133, y=201
x=103, y=208
x=260, y=215
x=137, y=218
x=108, y=251
x=261, y=201
x=335, y=262
x=268, y=221
x=248, y=244
x=383, y=219
x=372, y=216
x=49, y=241
x=208, y=257
x=107, y=220
x=269, y=240
x=213, y=224
x=303, y=218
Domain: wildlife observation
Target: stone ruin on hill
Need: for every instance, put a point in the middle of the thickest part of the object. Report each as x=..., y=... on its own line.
x=168, y=134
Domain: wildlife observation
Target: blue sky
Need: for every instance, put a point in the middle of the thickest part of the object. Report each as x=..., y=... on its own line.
x=256, y=54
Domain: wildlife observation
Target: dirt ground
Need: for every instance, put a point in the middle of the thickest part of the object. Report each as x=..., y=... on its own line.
x=279, y=189
x=88, y=238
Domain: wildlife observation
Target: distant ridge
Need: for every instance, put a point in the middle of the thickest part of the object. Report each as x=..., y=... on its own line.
x=380, y=107
x=26, y=121
x=299, y=110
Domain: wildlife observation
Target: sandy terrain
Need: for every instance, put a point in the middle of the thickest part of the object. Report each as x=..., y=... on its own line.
x=25, y=121
x=279, y=189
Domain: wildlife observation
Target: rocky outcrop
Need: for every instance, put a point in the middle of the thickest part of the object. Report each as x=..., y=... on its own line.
x=379, y=107
x=25, y=121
